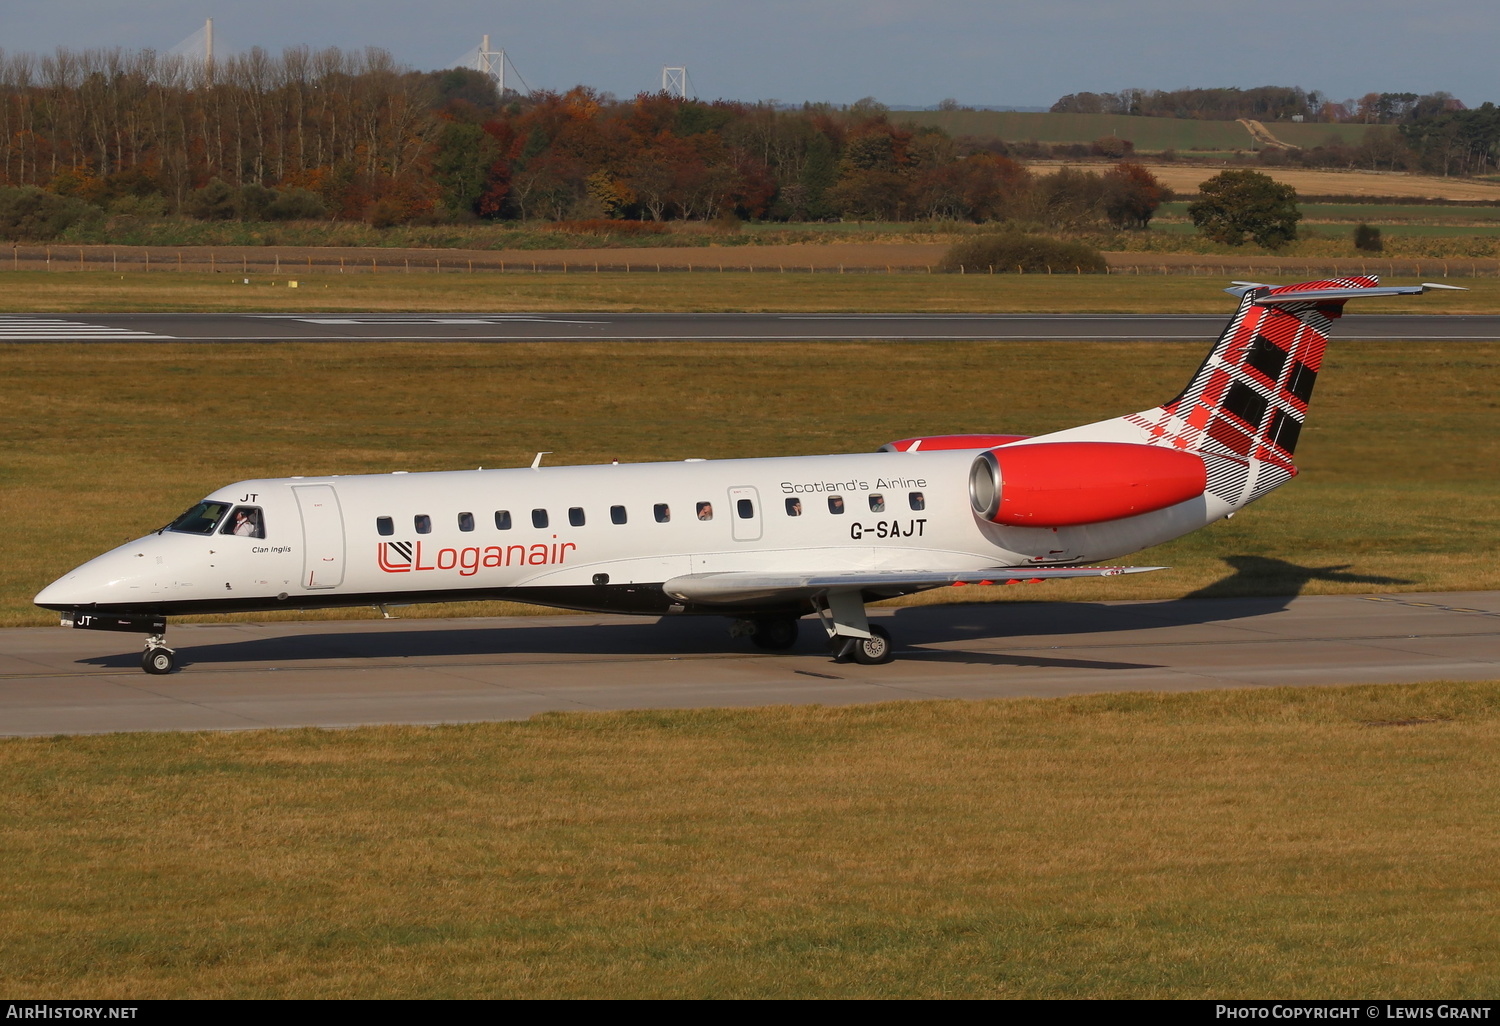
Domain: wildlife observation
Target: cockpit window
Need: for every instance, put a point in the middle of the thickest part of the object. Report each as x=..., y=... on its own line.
x=201, y=519
x=245, y=521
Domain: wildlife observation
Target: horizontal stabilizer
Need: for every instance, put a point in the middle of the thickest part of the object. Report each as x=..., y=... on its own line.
x=753, y=586
x=1330, y=295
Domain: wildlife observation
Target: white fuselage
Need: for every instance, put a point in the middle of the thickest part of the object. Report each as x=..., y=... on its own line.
x=400, y=538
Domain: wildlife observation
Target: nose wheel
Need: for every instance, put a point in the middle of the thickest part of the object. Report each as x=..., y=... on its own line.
x=158, y=658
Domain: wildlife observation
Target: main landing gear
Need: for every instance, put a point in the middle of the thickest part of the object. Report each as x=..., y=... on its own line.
x=851, y=637
x=871, y=651
x=850, y=633
x=158, y=658
x=775, y=633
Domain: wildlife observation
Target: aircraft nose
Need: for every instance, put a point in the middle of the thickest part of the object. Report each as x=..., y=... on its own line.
x=113, y=577
x=62, y=593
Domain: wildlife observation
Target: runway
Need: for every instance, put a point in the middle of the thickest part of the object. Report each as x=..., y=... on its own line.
x=339, y=674
x=628, y=327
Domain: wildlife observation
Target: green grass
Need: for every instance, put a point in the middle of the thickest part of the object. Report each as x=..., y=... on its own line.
x=107, y=442
x=94, y=292
x=1407, y=231
x=1276, y=843
x=1309, y=229
x=1308, y=135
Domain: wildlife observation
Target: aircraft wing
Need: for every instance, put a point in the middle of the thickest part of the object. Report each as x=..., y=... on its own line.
x=733, y=587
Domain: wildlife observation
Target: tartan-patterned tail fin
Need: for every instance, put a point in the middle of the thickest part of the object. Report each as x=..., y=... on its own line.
x=1244, y=409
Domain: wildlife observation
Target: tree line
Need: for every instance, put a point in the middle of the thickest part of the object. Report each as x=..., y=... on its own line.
x=354, y=135
x=1263, y=103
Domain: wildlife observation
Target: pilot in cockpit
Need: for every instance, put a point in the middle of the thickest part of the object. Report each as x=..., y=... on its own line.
x=246, y=525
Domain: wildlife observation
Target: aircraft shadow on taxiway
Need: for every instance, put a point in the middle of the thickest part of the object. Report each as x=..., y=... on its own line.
x=914, y=628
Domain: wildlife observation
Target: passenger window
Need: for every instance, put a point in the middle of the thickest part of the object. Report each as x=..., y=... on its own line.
x=466, y=521
x=836, y=504
x=617, y=514
x=705, y=511
x=663, y=512
x=917, y=500
x=877, y=504
x=745, y=508
x=539, y=518
x=385, y=526
x=201, y=519
x=575, y=516
x=502, y=520
x=794, y=507
x=423, y=523
x=245, y=521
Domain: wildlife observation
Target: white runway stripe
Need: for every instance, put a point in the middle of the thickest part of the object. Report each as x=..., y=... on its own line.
x=39, y=329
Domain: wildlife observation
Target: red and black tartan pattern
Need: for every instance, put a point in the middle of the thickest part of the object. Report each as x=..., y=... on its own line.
x=1245, y=407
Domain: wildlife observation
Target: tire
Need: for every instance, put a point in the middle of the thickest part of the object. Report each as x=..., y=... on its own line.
x=875, y=649
x=157, y=661
x=775, y=634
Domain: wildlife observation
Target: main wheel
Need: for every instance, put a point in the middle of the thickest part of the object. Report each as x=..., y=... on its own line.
x=777, y=634
x=875, y=649
x=158, y=660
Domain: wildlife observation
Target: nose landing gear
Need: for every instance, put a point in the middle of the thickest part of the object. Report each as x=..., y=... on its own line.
x=158, y=658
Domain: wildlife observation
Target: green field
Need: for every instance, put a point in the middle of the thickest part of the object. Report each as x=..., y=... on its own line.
x=107, y=442
x=1150, y=135
x=1122, y=292
x=1272, y=843
x=1308, y=229
x=1407, y=231
x=1310, y=134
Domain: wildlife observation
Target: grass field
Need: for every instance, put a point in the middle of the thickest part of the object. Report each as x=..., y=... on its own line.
x=41, y=292
x=1150, y=135
x=1309, y=229
x=108, y=442
x=1279, y=843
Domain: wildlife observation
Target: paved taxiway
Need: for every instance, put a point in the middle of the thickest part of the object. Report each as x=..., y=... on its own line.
x=523, y=327
x=334, y=674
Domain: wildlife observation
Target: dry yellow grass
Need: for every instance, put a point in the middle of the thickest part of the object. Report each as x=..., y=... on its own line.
x=1185, y=178
x=1307, y=843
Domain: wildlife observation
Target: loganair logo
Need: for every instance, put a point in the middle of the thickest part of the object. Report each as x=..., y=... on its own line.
x=410, y=557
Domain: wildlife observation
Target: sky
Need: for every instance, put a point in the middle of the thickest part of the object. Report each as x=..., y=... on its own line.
x=981, y=52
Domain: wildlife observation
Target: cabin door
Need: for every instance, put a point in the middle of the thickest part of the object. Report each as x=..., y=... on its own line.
x=744, y=510
x=322, y=536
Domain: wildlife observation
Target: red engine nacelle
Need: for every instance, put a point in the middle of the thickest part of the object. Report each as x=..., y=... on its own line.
x=936, y=443
x=1062, y=484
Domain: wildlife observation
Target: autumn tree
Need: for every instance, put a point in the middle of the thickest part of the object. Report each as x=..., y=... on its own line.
x=1067, y=199
x=1131, y=195
x=1236, y=205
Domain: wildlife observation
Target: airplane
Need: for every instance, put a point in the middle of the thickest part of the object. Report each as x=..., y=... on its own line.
x=764, y=542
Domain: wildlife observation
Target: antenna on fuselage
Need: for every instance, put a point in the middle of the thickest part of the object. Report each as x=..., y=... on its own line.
x=536, y=464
